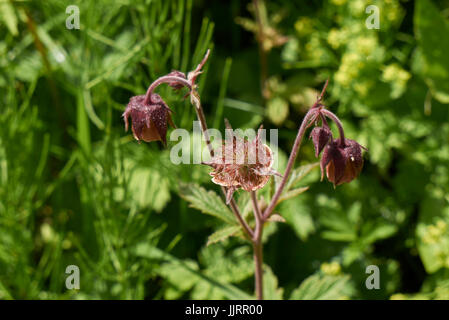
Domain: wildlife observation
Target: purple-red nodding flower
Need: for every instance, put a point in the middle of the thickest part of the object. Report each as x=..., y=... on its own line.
x=150, y=114
x=342, y=158
x=343, y=162
x=148, y=120
x=242, y=164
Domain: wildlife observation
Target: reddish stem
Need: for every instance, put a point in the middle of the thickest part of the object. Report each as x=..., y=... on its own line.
x=337, y=121
x=258, y=248
x=161, y=80
x=291, y=160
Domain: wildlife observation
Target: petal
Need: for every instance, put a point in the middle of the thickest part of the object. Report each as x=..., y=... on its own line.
x=334, y=161
x=158, y=114
x=150, y=133
x=320, y=137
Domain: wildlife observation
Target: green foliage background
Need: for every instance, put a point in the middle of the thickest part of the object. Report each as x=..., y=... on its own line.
x=75, y=189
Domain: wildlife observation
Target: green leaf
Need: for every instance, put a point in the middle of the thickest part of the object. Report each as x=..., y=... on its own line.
x=323, y=287
x=148, y=251
x=298, y=216
x=341, y=225
x=148, y=187
x=434, y=61
x=292, y=193
x=179, y=277
x=432, y=234
x=9, y=17
x=271, y=291
x=208, y=202
x=223, y=234
x=378, y=232
x=227, y=265
x=298, y=174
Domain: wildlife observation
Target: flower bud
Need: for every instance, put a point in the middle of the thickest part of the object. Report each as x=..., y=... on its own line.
x=320, y=137
x=176, y=85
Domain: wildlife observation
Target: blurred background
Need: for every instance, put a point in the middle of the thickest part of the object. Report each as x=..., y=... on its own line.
x=75, y=189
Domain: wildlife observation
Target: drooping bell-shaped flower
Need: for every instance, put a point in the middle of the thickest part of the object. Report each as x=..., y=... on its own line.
x=342, y=162
x=242, y=164
x=149, y=120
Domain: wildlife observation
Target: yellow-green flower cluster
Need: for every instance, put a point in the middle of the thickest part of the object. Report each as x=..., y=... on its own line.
x=351, y=64
x=332, y=269
x=357, y=7
x=339, y=2
x=314, y=48
x=434, y=232
x=365, y=45
x=304, y=26
x=397, y=77
x=337, y=38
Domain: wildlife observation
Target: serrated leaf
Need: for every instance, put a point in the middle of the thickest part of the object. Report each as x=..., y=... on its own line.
x=148, y=251
x=227, y=266
x=431, y=234
x=271, y=291
x=378, y=232
x=299, y=173
x=323, y=287
x=179, y=277
x=292, y=193
x=298, y=216
x=341, y=225
x=208, y=202
x=148, y=188
x=223, y=234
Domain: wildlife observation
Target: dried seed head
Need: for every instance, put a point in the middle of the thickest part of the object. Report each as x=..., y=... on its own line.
x=149, y=121
x=242, y=164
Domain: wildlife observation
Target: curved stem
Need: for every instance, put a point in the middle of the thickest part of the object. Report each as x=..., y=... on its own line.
x=337, y=121
x=258, y=248
x=291, y=160
x=161, y=80
x=203, y=124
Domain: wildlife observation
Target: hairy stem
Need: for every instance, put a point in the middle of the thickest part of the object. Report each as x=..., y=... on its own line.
x=337, y=121
x=258, y=248
x=202, y=119
x=291, y=160
x=164, y=79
